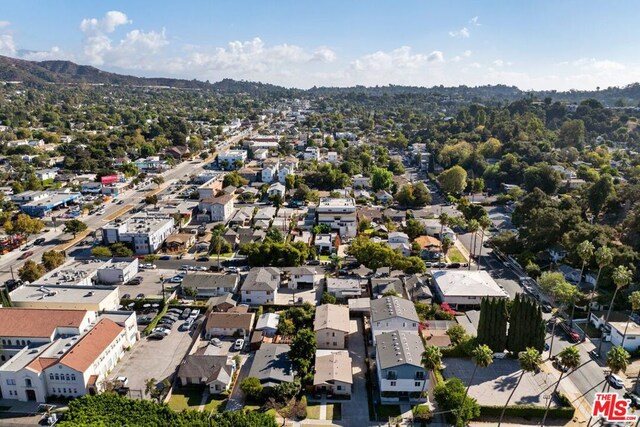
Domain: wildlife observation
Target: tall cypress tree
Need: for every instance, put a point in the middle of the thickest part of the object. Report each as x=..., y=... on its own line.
x=492, y=326
x=526, y=327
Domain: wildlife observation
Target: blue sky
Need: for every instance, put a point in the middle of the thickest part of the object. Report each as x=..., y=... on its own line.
x=544, y=44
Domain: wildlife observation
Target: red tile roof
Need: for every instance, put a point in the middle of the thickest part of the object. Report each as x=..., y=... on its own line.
x=91, y=345
x=35, y=323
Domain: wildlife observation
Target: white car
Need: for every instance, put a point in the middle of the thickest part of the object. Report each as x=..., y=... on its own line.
x=176, y=279
x=239, y=344
x=163, y=331
x=616, y=381
x=194, y=314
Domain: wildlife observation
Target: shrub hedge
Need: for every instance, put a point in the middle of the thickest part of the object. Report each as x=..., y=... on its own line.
x=527, y=412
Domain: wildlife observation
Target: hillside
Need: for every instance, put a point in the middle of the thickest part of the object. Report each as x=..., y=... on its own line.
x=66, y=72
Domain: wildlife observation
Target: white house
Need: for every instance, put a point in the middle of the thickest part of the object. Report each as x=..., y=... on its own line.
x=303, y=277
x=261, y=286
x=231, y=159
x=332, y=373
x=398, y=237
x=268, y=324
x=398, y=364
x=219, y=208
x=144, y=232
x=276, y=189
x=393, y=314
x=631, y=339
x=359, y=181
x=339, y=214
x=465, y=288
x=269, y=173
x=312, y=153
x=345, y=288
x=332, y=157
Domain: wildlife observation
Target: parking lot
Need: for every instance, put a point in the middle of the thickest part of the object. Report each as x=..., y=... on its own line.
x=153, y=359
x=492, y=385
x=151, y=283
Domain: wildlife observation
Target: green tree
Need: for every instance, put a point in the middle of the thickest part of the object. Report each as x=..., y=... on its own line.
x=599, y=193
x=453, y=180
x=569, y=358
x=456, y=333
x=27, y=226
x=234, y=179
x=450, y=397
x=526, y=325
x=492, y=325
x=381, y=179
x=158, y=180
x=327, y=298
x=151, y=200
x=529, y=360
x=617, y=361
x=31, y=271
x=303, y=350
x=572, y=134
x=482, y=357
x=251, y=387
x=604, y=257
x=74, y=226
x=431, y=360
x=101, y=252
x=52, y=259
x=120, y=250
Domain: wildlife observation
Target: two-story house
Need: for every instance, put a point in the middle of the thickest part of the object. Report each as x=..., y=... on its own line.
x=218, y=208
x=398, y=365
x=236, y=322
x=331, y=326
x=302, y=277
x=393, y=314
x=261, y=286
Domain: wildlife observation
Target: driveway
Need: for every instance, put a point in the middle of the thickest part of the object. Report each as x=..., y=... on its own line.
x=153, y=359
x=356, y=412
x=492, y=385
x=236, y=399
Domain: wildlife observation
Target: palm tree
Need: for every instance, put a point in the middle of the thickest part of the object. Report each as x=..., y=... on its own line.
x=472, y=227
x=482, y=357
x=431, y=360
x=604, y=257
x=569, y=358
x=617, y=360
x=335, y=262
x=485, y=223
x=634, y=299
x=621, y=277
x=585, y=252
x=444, y=220
x=529, y=361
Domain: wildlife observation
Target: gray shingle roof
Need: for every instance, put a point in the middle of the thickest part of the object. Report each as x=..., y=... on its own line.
x=390, y=307
x=399, y=348
x=205, y=366
x=262, y=279
x=271, y=364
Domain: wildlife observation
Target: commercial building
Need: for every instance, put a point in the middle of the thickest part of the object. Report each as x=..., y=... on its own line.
x=462, y=288
x=232, y=159
x=41, y=203
x=339, y=214
x=65, y=298
x=144, y=232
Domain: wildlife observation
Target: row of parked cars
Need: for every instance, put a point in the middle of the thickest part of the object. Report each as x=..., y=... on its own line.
x=170, y=318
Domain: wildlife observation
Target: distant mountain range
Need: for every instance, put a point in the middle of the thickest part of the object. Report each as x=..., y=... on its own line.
x=66, y=72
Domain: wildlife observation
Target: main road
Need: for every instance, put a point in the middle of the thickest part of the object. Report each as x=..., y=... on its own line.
x=56, y=238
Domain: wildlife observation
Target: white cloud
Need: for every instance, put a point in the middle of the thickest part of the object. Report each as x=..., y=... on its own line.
x=54, y=53
x=324, y=55
x=435, y=56
x=501, y=63
x=598, y=65
x=4, y=24
x=7, y=45
x=466, y=53
x=463, y=33
x=475, y=21
x=107, y=24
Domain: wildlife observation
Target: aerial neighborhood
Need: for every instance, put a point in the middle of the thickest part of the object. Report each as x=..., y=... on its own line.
x=268, y=256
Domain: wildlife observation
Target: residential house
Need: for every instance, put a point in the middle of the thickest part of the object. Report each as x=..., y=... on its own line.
x=287, y=167
x=270, y=170
x=434, y=228
x=346, y=288
x=242, y=217
x=557, y=253
x=393, y=314
x=215, y=372
x=339, y=214
x=384, y=197
x=430, y=247
x=398, y=364
x=237, y=322
x=398, y=237
x=179, y=242
x=144, y=232
x=628, y=331
x=326, y=243
x=303, y=277
x=571, y=275
x=332, y=373
x=360, y=181
x=223, y=302
x=232, y=159
x=261, y=154
x=219, y=208
x=268, y=324
x=209, y=285
x=332, y=157
x=272, y=366
x=178, y=152
x=462, y=288
x=277, y=189
x=312, y=153
x=261, y=286
x=331, y=326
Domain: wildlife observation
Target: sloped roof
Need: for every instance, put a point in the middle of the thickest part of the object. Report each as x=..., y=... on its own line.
x=390, y=307
x=333, y=367
x=331, y=316
x=262, y=279
x=36, y=323
x=91, y=345
x=271, y=364
x=399, y=348
x=207, y=367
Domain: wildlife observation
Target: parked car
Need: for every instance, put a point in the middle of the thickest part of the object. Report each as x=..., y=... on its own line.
x=25, y=255
x=184, y=267
x=140, y=296
x=121, y=202
x=616, y=381
x=216, y=342
x=558, y=365
x=239, y=344
x=39, y=241
x=156, y=336
x=176, y=279
x=202, y=258
x=126, y=296
x=185, y=314
x=161, y=330
x=314, y=262
x=165, y=257
x=186, y=325
x=454, y=265
x=634, y=398
x=194, y=313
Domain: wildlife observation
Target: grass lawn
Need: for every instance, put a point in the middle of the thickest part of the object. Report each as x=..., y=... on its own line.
x=222, y=255
x=186, y=398
x=324, y=257
x=334, y=411
x=216, y=403
x=455, y=255
x=313, y=411
x=251, y=405
x=386, y=411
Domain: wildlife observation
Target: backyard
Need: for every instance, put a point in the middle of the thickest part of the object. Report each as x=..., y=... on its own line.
x=455, y=255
